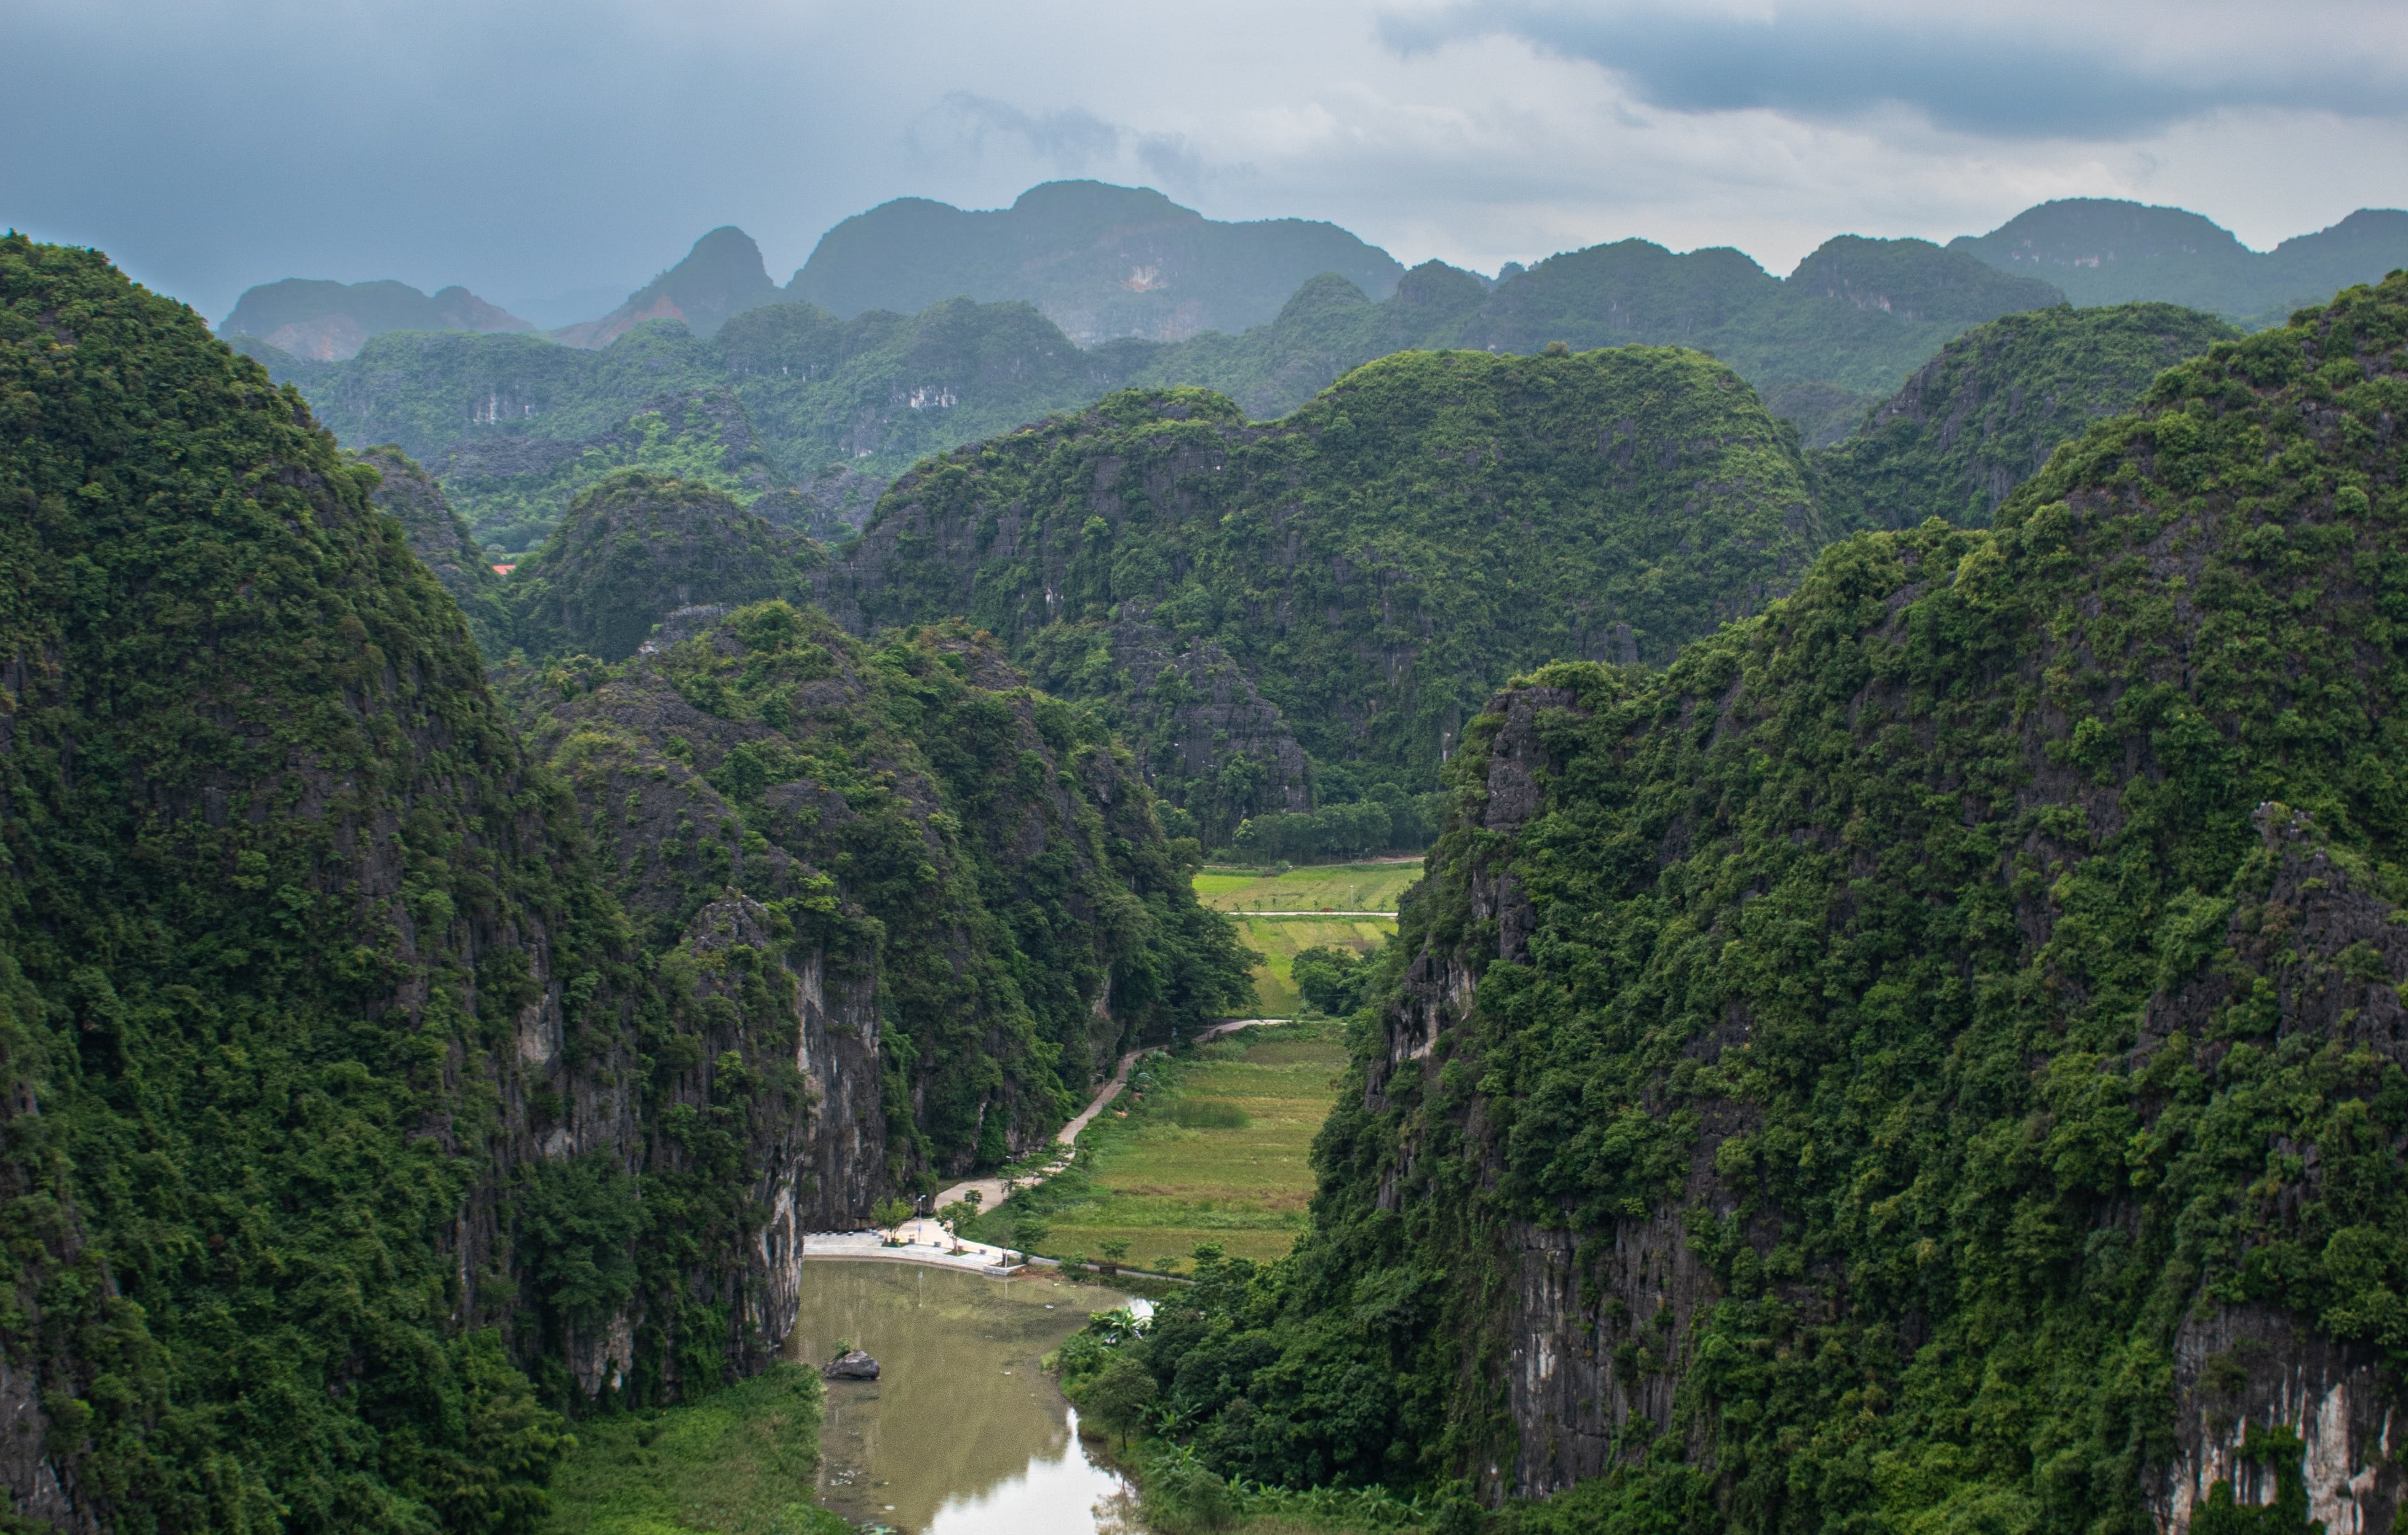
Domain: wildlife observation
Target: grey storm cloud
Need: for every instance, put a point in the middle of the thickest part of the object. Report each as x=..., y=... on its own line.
x=1074, y=140
x=1962, y=75
x=551, y=154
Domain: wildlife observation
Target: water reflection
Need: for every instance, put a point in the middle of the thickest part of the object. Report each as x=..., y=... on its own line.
x=962, y=1433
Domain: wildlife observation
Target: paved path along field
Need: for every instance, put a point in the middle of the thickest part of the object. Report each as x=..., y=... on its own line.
x=991, y=1191
x=927, y=1240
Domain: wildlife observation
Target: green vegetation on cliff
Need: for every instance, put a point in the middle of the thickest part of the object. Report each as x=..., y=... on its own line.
x=272, y=867
x=442, y=542
x=802, y=401
x=354, y=1134
x=1926, y=1060
x=978, y=863
x=637, y=547
x=1984, y=415
x=1375, y=563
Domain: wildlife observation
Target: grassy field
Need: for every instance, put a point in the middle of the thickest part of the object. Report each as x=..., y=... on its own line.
x=1317, y=887
x=1278, y=939
x=740, y=1462
x=1163, y=1187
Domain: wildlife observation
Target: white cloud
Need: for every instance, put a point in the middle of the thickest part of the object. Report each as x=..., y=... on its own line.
x=549, y=144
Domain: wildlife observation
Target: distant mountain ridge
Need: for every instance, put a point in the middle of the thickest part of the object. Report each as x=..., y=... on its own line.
x=2104, y=251
x=329, y=322
x=515, y=426
x=1100, y=261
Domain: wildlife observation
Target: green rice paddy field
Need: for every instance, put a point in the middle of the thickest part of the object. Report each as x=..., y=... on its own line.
x=1236, y=1173
x=1316, y=888
x=1278, y=939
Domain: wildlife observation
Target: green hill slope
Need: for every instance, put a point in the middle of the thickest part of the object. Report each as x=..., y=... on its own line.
x=1984, y=416
x=354, y=1135
x=1930, y=1058
x=1372, y=563
x=637, y=547
x=442, y=540
x=980, y=863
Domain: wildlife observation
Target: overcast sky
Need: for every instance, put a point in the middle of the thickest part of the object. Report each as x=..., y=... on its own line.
x=528, y=147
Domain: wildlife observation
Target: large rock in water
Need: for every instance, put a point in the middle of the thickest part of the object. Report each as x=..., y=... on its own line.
x=851, y=1365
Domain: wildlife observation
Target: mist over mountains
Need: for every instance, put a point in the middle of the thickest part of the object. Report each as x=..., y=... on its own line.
x=1107, y=262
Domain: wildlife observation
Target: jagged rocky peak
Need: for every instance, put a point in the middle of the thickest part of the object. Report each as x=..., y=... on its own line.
x=722, y=277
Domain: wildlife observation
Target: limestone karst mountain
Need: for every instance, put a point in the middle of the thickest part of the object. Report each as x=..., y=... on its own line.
x=329, y=322
x=720, y=278
x=1931, y=1055
x=378, y=1101
x=1099, y=261
x=2104, y=251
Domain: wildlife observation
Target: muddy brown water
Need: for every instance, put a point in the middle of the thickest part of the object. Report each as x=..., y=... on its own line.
x=962, y=1433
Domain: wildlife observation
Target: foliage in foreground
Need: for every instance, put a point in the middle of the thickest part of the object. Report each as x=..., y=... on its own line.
x=741, y=1461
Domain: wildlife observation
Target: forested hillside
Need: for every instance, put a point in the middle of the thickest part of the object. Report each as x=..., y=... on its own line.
x=760, y=396
x=1932, y=1056
x=1373, y=563
x=1984, y=415
x=978, y=866
x=374, y=1103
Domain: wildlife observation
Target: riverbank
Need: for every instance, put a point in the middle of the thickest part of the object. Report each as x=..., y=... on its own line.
x=741, y=1461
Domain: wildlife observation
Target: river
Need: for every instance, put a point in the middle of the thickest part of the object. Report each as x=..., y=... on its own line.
x=962, y=1433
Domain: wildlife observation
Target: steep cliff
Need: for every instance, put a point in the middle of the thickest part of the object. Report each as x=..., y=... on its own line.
x=291, y=922
x=1914, y=1017
x=979, y=894
x=352, y=1132
x=442, y=540
x=1930, y=1057
x=1375, y=562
